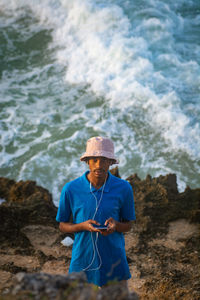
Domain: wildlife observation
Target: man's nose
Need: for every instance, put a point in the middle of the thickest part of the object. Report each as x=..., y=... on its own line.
x=99, y=163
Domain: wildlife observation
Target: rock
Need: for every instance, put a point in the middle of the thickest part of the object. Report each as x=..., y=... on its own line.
x=162, y=247
x=29, y=234
x=40, y=285
x=59, y=287
x=26, y=204
x=115, y=172
x=21, y=191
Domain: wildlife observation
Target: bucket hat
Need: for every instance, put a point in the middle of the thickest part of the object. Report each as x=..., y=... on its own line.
x=99, y=146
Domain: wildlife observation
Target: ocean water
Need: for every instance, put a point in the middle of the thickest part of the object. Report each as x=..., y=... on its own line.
x=128, y=70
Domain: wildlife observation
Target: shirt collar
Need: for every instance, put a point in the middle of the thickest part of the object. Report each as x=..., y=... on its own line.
x=87, y=183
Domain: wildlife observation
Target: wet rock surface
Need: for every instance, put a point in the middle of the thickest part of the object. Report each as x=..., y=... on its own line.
x=162, y=248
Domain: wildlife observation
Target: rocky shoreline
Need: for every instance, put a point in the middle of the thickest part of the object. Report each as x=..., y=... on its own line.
x=162, y=248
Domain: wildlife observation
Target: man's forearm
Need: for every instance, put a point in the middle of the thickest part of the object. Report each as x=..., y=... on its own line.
x=71, y=227
x=123, y=226
x=84, y=226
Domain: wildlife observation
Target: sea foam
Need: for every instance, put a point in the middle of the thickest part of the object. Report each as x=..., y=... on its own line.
x=107, y=68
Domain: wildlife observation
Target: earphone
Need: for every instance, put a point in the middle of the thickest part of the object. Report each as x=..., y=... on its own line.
x=94, y=243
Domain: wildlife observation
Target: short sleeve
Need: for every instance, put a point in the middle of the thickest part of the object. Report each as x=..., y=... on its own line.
x=64, y=209
x=128, y=207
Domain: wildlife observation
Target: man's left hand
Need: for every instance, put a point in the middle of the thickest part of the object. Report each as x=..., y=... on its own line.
x=112, y=225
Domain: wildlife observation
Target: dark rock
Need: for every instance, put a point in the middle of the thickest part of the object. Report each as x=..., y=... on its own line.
x=162, y=248
x=26, y=203
x=21, y=191
x=165, y=238
x=29, y=235
x=115, y=172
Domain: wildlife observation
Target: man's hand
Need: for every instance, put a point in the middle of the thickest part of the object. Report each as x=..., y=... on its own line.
x=111, y=223
x=87, y=226
x=114, y=225
x=84, y=226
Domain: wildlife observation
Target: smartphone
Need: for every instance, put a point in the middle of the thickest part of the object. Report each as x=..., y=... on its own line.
x=102, y=227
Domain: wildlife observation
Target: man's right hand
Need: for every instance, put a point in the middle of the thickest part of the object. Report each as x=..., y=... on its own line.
x=87, y=225
x=84, y=226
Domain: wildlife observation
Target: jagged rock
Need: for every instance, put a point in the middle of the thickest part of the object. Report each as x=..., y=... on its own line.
x=21, y=191
x=164, y=244
x=162, y=248
x=29, y=235
x=115, y=172
x=26, y=204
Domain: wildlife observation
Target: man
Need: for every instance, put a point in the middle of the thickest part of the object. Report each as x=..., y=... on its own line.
x=98, y=198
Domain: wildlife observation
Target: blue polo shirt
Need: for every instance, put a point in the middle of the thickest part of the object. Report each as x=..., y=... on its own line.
x=102, y=258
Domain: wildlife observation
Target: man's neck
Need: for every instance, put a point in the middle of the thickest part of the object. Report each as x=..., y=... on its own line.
x=97, y=182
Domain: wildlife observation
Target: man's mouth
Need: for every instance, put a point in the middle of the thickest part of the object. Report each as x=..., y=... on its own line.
x=99, y=171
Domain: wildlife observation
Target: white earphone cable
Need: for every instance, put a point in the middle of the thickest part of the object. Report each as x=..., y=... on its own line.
x=94, y=243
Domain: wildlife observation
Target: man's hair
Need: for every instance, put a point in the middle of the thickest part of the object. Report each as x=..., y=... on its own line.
x=112, y=161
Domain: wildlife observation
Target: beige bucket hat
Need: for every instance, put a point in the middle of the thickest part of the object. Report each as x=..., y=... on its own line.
x=99, y=146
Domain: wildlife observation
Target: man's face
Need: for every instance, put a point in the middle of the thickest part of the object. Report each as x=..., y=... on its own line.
x=99, y=166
